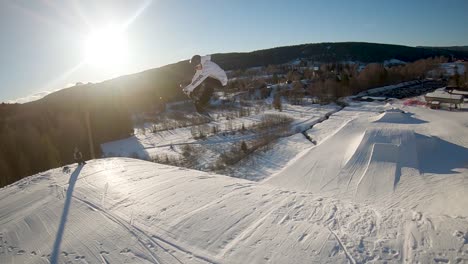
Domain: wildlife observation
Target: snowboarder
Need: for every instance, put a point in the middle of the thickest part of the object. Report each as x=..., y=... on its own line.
x=208, y=76
x=78, y=156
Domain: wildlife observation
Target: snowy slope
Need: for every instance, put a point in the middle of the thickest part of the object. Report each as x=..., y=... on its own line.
x=130, y=211
x=382, y=187
x=263, y=164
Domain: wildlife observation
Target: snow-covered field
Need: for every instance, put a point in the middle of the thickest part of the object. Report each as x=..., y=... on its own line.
x=170, y=143
x=379, y=186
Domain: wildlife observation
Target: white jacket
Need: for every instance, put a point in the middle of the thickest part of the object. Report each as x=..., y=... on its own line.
x=209, y=69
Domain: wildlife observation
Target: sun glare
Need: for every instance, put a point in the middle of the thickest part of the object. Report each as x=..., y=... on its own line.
x=106, y=47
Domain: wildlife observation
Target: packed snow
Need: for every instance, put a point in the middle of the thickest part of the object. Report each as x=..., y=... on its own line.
x=380, y=182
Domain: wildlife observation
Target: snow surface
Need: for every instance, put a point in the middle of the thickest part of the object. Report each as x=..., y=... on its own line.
x=381, y=185
x=392, y=62
x=149, y=145
x=445, y=95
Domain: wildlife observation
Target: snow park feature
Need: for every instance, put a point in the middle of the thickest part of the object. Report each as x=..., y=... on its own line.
x=383, y=183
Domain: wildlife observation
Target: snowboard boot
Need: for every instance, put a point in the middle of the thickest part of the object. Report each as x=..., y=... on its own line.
x=205, y=96
x=201, y=97
x=199, y=107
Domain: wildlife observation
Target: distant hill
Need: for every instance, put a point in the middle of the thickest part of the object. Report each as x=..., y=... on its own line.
x=142, y=89
x=333, y=52
x=450, y=48
x=134, y=91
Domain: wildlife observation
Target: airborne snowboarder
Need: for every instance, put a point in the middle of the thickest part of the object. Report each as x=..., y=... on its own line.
x=208, y=76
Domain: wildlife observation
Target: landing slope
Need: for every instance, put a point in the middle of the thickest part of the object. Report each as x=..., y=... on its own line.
x=130, y=211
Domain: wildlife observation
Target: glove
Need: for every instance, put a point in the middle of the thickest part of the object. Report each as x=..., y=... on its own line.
x=186, y=91
x=184, y=88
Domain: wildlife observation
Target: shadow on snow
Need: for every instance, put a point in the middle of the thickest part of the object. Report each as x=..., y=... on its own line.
x=440, y=156
x=63, y=219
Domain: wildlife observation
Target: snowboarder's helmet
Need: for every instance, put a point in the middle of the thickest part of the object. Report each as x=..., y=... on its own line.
x=196, y=59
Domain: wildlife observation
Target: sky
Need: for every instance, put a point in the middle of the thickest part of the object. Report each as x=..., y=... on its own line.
x=47, y=45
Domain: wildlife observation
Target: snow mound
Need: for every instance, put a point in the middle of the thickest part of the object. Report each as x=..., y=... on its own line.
x=354, y=157
x=375, y=168
x=352, y=147
x=380, y=176
x=397, y=116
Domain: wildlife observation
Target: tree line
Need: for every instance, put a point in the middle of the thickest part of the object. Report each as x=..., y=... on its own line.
x=36, y=138
x=331, y=52
x=338, y=80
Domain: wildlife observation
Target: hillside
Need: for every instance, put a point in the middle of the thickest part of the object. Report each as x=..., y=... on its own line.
x=378, y=187
x=450, y=48
x=332, y=52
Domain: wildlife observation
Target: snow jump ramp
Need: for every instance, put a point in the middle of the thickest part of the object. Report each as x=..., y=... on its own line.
x=384, y=155
x=380, y=176
x=397, y=116
x=370, y=170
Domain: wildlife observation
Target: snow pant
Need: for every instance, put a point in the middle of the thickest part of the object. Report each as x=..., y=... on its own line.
x=202, y=94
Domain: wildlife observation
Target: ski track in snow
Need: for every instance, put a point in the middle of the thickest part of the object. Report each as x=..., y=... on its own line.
x=369, y=191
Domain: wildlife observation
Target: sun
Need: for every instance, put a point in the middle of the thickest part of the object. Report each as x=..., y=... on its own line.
x=106, y=47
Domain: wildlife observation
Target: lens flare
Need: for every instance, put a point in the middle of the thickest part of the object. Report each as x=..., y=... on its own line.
x=106, y=47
